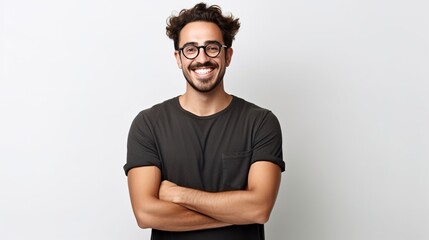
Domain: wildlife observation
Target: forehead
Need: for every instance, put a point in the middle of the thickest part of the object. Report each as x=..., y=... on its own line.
x=200, y=32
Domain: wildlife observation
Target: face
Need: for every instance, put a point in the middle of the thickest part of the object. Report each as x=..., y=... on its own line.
x=204, y=73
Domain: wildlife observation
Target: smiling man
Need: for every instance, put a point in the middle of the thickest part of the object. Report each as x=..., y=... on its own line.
x=206, y=164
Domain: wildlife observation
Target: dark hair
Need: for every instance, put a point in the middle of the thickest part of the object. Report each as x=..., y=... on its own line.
x=200, y=12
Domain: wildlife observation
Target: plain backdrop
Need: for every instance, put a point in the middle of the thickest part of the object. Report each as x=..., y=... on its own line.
x=348, y=79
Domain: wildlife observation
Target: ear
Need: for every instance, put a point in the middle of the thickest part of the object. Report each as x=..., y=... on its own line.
x=178, y=59
x=229, y=53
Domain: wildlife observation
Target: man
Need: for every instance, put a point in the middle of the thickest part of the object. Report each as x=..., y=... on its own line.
x=204, y=165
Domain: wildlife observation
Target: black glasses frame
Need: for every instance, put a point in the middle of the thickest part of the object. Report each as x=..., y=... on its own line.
x=220, y=45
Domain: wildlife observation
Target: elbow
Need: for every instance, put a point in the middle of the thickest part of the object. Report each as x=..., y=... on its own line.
x=262, y=215
x=143, y=220
x=142, y=224
x=262, y=218
x=146, y=216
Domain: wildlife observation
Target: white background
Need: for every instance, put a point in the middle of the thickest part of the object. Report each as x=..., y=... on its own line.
x=348, y=80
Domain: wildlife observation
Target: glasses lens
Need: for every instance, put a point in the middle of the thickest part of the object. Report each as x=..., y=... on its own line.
x=190, y=51
x=212, y=50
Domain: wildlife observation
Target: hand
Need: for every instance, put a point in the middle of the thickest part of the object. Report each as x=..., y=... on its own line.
x=167, y=191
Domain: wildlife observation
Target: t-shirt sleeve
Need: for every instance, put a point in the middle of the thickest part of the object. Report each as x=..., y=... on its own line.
x=268, y=142
x=141, y=146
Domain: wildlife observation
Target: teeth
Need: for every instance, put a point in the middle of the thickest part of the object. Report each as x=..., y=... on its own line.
x=203, y=70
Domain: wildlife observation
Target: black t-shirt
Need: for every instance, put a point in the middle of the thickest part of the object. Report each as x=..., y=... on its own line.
x=211, y=153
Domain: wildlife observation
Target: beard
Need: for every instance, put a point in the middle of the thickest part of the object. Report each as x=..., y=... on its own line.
x=204, y=86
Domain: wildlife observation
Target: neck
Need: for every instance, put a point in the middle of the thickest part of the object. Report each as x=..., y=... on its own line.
x=205, y=104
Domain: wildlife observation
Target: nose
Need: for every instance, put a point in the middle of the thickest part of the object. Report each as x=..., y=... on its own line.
x=202, y=56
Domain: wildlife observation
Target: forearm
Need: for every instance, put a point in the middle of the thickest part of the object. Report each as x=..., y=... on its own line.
x=168, y=216
x=235, y=207
x=251, y=205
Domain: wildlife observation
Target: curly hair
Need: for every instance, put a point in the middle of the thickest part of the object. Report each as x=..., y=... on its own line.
x=200, y=12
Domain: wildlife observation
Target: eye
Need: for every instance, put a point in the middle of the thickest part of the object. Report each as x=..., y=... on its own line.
x=190, y=49
x=213, y=48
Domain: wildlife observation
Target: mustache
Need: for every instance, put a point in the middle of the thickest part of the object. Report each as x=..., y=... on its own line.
x=206, y=64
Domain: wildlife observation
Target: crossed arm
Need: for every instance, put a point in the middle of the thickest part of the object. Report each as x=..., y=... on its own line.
x=167, y=206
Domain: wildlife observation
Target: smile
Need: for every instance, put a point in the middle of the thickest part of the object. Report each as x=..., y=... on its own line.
x=203, y=71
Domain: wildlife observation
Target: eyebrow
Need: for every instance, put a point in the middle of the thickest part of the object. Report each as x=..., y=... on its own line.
x=205, y=43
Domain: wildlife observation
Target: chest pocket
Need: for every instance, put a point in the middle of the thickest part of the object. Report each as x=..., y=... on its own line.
x=235, y=166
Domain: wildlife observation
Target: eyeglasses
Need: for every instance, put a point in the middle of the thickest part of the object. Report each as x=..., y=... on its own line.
x=190, y=51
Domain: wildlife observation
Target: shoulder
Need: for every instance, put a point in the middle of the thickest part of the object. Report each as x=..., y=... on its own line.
x=252, y=110
x=160, y=108
x=156, y=112
x=256, y=116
